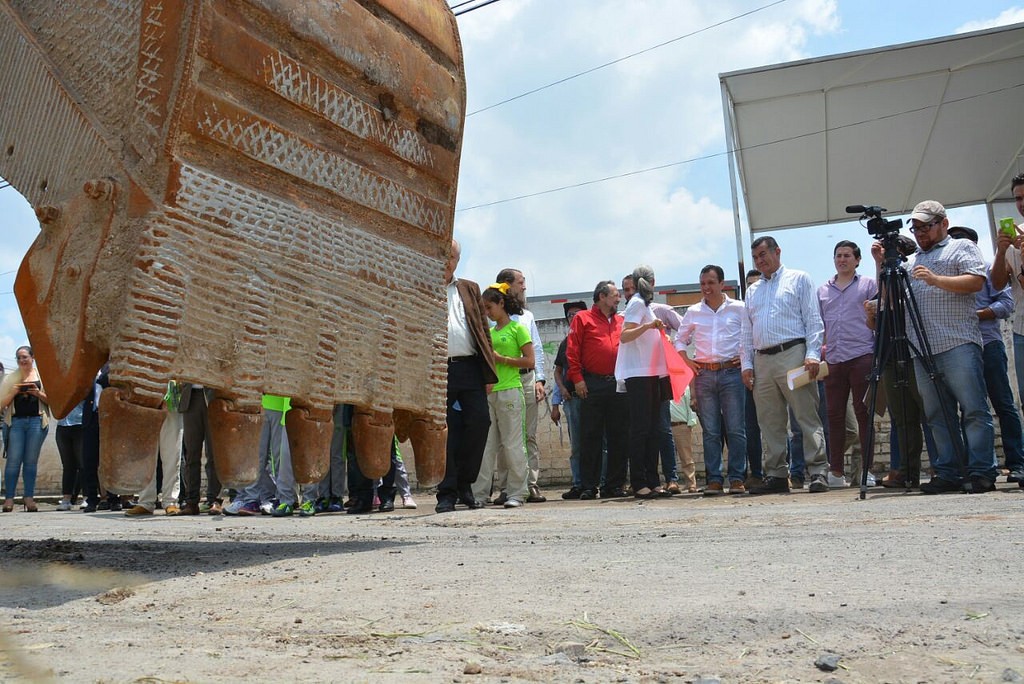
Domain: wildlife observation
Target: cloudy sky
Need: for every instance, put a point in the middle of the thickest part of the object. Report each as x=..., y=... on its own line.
x=658, y=108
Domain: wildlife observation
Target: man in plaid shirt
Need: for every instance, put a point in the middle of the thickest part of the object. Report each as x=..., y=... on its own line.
x=945, y=276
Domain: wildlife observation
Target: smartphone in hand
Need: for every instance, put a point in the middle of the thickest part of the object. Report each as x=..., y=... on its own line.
x=1007, y=227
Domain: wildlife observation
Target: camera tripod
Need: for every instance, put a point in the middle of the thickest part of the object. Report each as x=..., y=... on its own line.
x=896, y=304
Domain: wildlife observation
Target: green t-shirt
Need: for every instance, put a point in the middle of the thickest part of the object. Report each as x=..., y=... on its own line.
x=273, y=402
x=509, y=341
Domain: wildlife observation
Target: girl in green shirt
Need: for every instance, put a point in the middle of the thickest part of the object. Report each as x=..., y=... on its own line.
x=513, y=349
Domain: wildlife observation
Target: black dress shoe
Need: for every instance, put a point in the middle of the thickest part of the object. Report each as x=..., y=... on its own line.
x=361, y=506
x=981, y=484
x=474, y=505
x=770, y=485
x=573, y=493
x=386, y=506
x=467, y=499
x=938, y=485
x=588, y=495
x=446, y=506
x=618, y=493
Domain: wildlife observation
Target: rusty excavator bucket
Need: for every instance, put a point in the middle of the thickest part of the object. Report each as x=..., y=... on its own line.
x=252, y=195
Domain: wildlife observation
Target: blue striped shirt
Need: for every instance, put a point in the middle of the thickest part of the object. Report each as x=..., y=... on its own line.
x=778, y=309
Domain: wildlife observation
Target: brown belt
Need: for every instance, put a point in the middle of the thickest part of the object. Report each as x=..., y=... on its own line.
x=718, y=365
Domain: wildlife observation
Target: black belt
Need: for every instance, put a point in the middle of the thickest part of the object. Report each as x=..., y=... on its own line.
x=598, y=377
x=524, y=371
x=780, y=347
x=460, y=359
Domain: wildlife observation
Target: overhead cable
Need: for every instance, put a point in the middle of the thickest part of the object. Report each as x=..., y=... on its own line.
x=739, y=149
x=475, y=7
x=623, y=59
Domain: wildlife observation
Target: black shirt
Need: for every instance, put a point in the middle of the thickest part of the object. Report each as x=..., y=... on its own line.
x=26, y=405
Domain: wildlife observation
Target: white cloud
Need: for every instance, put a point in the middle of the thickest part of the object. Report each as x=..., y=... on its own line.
x=660, y=107
x=1013, y=15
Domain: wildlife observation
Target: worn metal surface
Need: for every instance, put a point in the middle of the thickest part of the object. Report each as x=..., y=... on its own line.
x=256, y=196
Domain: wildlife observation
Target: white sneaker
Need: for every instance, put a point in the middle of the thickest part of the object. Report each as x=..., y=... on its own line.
x=871, y=480
x=513, y=503
x=837, y=481
x=267, y=508
x=64, y=506
x=233, y=507
x=408, y=502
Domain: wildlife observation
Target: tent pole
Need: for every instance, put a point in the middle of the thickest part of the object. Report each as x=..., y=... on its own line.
x=730, y=153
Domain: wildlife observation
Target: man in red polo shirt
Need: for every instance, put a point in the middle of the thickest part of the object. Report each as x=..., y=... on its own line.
x=593, y=343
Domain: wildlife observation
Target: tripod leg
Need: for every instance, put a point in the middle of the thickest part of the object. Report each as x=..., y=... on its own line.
x=880, y=354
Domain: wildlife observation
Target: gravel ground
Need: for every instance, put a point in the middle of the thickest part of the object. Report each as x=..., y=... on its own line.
x=902, y=588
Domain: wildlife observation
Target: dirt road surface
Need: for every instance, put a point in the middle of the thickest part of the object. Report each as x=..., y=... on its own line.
x=902, y=588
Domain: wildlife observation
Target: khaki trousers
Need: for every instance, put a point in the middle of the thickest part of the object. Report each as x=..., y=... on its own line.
x=507, y=436
x=772, y=396
x=682, y=434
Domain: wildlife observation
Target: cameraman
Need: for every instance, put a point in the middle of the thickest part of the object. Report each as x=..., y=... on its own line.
x=945, y=276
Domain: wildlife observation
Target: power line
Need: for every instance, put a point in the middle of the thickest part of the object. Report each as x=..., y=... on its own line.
x=722, y=154
x=476, y=7
x=622, y=59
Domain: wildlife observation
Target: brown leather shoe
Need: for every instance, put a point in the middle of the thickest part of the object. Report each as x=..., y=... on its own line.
x=673, y=488
x=172, y=509
x=753, y=481
x=216, y=508
x=893, y=480
x=737, y=487
x=713, y=489
x=188, y=509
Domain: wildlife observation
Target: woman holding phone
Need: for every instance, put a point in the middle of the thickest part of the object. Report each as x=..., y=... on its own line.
x=24, y=409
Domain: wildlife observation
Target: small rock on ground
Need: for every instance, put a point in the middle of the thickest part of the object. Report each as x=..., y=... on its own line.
x=827, y=662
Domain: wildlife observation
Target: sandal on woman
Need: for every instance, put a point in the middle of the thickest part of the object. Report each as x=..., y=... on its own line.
x=644, y=493
x=8, y=505
x=30, y=505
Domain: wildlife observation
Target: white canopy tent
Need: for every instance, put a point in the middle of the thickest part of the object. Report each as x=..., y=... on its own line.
x=939, y=119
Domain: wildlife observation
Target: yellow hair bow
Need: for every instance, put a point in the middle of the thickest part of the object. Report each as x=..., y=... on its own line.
x=500, y=287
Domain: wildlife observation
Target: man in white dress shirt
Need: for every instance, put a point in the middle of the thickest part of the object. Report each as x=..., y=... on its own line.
x=782, y=330
x=714, y=326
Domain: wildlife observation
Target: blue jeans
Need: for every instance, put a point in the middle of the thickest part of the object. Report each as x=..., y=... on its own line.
x=997, y=381
x=1018, y=361
x=753, y=433
x=796, y=440
x=721, y=404
x=24, y=441
x=571, y=408
x=667, y=445
x=963, y=384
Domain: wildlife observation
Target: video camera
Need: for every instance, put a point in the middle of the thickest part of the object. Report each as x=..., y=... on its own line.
x=877, y=226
